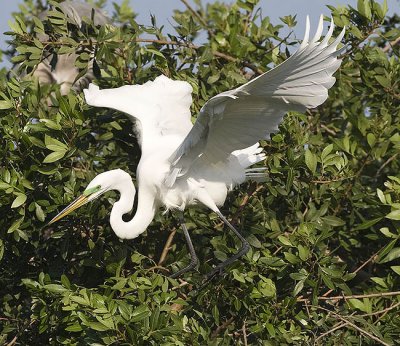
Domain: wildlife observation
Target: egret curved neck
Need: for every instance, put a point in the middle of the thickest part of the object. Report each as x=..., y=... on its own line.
x=143, y=216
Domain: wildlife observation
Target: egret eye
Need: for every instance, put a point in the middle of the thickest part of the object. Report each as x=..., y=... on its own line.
x=92, y=190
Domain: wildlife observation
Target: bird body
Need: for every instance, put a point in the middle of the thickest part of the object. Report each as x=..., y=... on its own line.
x=60, y=68
x=160, y=137
x=184, y=164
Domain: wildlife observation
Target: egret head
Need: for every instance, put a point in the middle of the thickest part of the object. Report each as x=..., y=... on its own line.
x=110, y=180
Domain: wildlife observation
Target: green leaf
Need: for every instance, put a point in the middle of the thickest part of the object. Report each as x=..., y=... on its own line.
x=54, y=156
x=284, y=240
x=15, y=225
x=39, y=212
x=21, y=198
x=304, y=252
x=5, y=104
x=364, y=8
x=54, y=288
x=394, y=215
x=391, y=256
x=254, y=242
x=54, y=144
x=293, y=259
x=100, y=327
x=396, y=269
x=297, y=289
x=357, y=304
x=311, y=161
x=382, y=80
x=140, y=313
x=371, y=139
x=367, y=224
x=327, y=150
x=333, y=220
x=238, y=276
x=381, y=196
x=74, y=328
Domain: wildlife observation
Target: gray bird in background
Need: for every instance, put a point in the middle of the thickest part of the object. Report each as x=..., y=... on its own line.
x=64, y=71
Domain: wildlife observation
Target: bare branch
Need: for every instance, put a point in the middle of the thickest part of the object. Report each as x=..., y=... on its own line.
x=223, y=326
x=390, y=45
x=335, y=327
x=196, y=14
x=355, y=296
x=167, y=247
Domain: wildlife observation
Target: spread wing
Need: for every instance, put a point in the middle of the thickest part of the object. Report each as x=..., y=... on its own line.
x=238, y=118
x=162, y=106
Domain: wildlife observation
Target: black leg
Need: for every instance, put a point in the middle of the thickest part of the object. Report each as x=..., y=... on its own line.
x=242, y=251
x=193, y=256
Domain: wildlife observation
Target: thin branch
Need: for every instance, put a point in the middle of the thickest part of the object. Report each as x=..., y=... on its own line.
x=182, y=284
x=358, y=269
x=390, y=159
x=224, y=56
x=167, y=247
x=384, y=311
x=362, y=331
x=327, y=129
x=390, y=45
x=221, y=327
x=354, y=296
x=331, y=180
x=351, y=324
x=244, y=333
x=196, y=14
x=330, y=331
x=12, y=342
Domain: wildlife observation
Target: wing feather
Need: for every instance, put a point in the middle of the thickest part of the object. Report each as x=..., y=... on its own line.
x=237, y=119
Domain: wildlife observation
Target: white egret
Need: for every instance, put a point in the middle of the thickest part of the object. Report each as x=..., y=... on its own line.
x=184, y=164
x=60, y=68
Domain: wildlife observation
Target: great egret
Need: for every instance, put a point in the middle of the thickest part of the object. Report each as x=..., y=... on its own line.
x=184, y=164
x=61, y=68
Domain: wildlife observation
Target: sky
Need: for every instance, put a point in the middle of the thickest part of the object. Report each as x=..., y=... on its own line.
x=162, y=9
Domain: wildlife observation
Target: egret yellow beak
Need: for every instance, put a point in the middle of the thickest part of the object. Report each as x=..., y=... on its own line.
x=80, y=201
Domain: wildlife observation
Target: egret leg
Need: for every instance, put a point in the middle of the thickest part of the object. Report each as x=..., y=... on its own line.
x=242, y=251
x=193, y=257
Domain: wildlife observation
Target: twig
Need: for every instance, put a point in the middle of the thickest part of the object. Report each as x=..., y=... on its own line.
x=390, y=45
x=335, y=327
x=224, y=56
x=358, y=269
x=245, y=200
x=362, y=331
x=384, y=311
x=244, y=333
x=354, y=296
x=167, y=247
x=331, y=180
x=12, y=342
x=196, y=14
x=221, y=327
x=390, y=159
x=327, y=129
x=182, y=284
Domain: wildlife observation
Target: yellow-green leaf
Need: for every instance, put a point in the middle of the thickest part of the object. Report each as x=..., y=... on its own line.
x=19, y=201
x=55, y=156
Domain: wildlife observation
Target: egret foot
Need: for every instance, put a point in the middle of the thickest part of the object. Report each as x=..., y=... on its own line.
x=242, y=251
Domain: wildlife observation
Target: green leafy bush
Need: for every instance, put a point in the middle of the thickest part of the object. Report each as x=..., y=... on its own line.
x=324, y=265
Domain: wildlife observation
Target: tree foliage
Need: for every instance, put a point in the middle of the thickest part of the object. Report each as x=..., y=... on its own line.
x=324, y=266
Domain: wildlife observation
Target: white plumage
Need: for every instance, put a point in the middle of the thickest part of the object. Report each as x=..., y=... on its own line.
x=184, y=164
